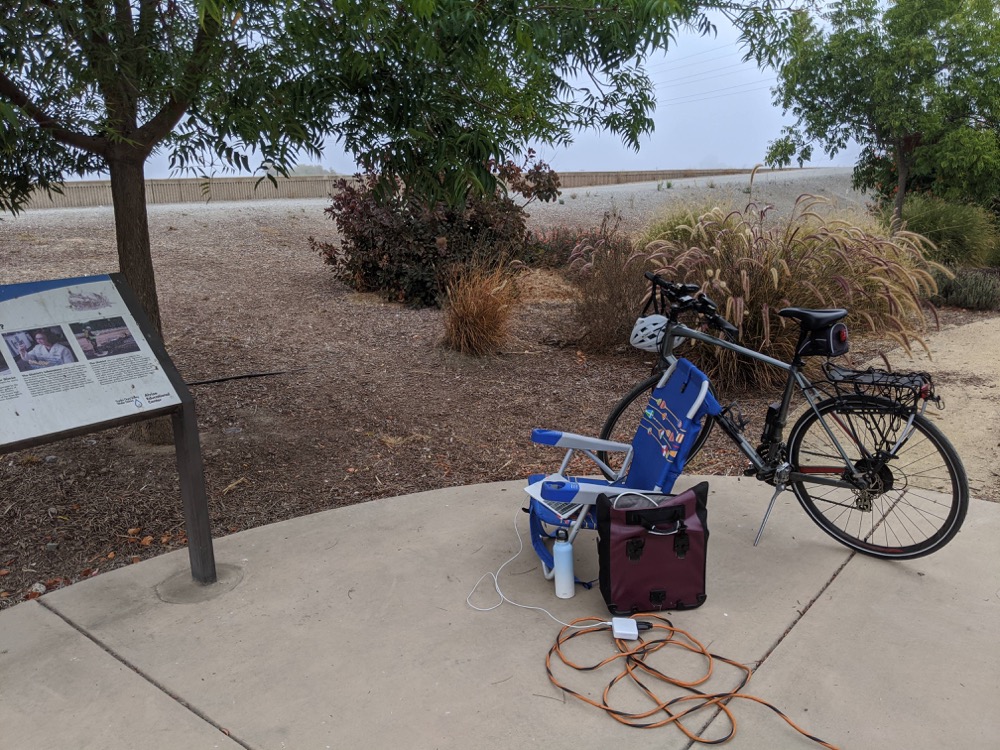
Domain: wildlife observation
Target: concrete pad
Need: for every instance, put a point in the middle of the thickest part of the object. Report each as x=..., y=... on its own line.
x=351, y=626
x=59, y=689
x=894, y=654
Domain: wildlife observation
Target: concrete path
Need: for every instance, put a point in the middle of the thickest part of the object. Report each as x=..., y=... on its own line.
x=350, y=628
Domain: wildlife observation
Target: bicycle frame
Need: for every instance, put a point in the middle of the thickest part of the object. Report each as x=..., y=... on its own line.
x=850, y=458
x=776, y=471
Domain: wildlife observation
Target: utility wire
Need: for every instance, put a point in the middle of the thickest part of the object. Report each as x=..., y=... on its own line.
x=668, y=64
x=725, y=88
x=696, y=77
x=678, y=101
x=703, y=52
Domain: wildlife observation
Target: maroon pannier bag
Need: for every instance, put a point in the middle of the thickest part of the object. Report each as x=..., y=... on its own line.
x=652, y=557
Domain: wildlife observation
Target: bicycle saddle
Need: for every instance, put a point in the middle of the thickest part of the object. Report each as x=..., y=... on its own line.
x=813, y=320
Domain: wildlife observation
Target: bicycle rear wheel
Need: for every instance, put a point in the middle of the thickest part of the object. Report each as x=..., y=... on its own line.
x=623, y=421
x=917, y=498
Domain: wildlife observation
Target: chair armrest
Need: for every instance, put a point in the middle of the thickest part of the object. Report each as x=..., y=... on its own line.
x=562, y=489
x=576, y=442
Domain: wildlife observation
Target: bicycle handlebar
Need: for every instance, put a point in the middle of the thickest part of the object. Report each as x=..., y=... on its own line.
x=688, y=297
x=673, y=290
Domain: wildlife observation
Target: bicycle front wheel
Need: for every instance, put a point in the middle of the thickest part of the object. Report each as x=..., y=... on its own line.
x=623, y=421
x=917, y=495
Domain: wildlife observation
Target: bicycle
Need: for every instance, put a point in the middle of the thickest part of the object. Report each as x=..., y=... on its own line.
x=863, y=460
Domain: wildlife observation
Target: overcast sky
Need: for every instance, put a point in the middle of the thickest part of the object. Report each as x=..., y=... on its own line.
x=712, y=111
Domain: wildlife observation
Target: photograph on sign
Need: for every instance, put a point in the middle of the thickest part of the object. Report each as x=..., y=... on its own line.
x=74, y=355
x=39, y=348
x=104, y=337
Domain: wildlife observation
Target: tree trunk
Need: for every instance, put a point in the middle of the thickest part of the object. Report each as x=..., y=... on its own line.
x=903, y=174
x=135, y=261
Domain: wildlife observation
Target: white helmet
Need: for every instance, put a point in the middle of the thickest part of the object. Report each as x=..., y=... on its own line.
x=647, y=332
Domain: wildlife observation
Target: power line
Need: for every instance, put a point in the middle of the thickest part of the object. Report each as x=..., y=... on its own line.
x=703, y=52
x=669, y=64
x=702, y=76
x=679, y=101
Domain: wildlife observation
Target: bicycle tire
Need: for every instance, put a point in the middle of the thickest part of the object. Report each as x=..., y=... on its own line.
x=922, y=494
x=623, y=421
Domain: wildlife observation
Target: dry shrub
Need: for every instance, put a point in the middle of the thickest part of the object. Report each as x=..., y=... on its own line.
x=608, y=276
x=752, y=267
x=479, y=298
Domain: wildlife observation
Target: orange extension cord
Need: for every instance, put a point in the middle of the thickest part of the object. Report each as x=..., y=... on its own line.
x=634, y=653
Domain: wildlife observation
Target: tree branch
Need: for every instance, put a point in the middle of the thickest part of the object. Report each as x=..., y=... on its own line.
x=13, y=93
x=180, y=98
x=101, y=59
x=147, y=16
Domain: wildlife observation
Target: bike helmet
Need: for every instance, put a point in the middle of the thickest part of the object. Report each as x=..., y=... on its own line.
x=647, y=332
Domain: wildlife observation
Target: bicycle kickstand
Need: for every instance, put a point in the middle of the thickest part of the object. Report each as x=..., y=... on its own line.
x=780, y=477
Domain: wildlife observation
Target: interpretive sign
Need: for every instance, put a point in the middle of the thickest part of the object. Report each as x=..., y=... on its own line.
x=78, y=355
x=74, y=356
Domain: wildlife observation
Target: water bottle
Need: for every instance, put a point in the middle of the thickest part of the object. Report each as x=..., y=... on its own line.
x=562, y=555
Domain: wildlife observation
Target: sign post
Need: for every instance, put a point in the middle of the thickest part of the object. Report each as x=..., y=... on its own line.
x=78, y=356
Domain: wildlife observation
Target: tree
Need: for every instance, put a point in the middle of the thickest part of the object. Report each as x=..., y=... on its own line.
x=915, y=83
x=424, y=92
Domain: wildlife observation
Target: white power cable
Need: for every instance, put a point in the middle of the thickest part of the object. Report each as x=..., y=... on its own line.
x=503, y=597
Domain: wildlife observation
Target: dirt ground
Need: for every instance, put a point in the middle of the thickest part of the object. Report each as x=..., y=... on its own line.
x=367, y=403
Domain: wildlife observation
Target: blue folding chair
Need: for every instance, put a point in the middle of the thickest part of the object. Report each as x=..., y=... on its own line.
x=654, y=460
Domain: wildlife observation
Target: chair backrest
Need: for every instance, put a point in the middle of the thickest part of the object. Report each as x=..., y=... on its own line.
x=669, y=427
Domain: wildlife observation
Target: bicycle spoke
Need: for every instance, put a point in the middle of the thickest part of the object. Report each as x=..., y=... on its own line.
x=905, y=505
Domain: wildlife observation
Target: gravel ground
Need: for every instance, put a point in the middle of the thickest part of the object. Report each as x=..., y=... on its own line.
x=638, y=202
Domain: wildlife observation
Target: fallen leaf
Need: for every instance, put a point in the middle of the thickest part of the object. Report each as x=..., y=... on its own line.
x=135, y=559
x=4, y=594
x=111, y=555
x=146, y=541
x=32, y=595
x=165, y=539
x=4, y=572
x=135, y=531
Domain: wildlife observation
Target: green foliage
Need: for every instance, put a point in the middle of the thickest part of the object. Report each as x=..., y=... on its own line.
x=971, y=288
x=754, y=267
x=962, y=234
x=609, y=281
x=425, y=93
x=915, y=83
